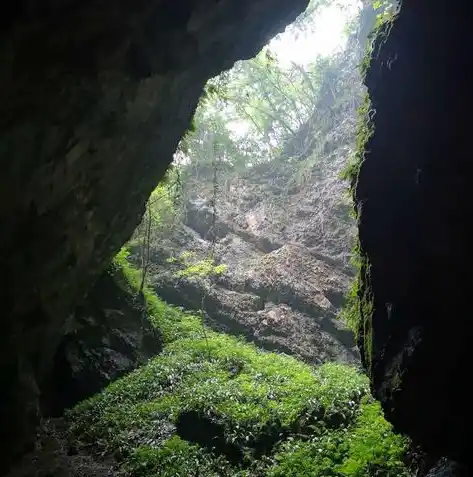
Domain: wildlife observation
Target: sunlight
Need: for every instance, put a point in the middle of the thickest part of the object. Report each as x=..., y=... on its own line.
x=325, y=37
x=322, y=36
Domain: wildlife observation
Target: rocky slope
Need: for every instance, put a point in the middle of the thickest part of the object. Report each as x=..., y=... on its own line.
x=282, y=228
x=286, y=252
x=285, y=299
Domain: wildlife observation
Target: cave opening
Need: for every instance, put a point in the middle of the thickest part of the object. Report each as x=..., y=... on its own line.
x=220, y=312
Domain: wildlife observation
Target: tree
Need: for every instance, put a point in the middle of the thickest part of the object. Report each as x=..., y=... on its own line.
x=160, y=215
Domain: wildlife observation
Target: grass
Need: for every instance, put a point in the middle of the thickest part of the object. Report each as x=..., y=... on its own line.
x=231, y=409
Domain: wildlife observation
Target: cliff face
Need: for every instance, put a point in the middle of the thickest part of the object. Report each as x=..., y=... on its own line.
x=413, y=195
x=285, y=247
x=94, y=98
x=279, y=295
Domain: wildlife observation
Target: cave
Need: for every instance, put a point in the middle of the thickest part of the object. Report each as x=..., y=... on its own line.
x=94, y=100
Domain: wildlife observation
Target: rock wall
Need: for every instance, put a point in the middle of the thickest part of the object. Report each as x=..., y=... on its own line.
x=286, y=255
x=413, y=195
x=283, y=299
x=94, y=98
x=106, y=336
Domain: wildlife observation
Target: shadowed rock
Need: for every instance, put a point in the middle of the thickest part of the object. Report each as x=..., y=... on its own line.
x=94, y=98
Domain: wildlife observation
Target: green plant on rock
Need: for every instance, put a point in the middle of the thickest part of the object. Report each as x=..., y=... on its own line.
x=367, y=449
x=176, y=457
x=171, y=321
x=370, y=455
x=358, y=309
x=364, y=132
x=191, y=267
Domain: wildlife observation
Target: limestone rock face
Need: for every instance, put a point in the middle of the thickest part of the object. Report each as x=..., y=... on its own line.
x=282, y=296
x=414, y=199
x=94, y=98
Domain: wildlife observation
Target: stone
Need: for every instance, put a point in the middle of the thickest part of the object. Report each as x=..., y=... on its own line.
x=413, y=196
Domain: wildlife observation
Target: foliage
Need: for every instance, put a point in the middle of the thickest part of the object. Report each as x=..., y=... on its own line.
x=175, y=457
x=386, y=11
x=162, y=209
x=173, y=322
x=369, y=448
x=248, y=117
x=191, y=267
x=277, y=415
x=370, y=455
x=350, y=313
x=364, y=132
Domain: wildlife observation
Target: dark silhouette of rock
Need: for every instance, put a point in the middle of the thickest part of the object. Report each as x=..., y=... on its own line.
x=109, y=335
x=414, y=199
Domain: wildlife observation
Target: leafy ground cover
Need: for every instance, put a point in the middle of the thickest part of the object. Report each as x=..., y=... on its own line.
x=222, y=407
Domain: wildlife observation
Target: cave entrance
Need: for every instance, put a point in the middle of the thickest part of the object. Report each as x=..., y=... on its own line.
x=251, y=209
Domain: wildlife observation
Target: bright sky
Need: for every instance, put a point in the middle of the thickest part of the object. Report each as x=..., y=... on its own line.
x=325, y=37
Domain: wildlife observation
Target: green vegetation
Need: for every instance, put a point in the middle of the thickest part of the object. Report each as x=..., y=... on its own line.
x=358, y=452
x=225, y=408
x=357, y=310
x=359, y=307
x=267, y=112
x=162, y=211
x=364, y=132
x=192, y=267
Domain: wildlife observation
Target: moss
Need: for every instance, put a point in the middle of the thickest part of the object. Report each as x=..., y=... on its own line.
x=366, y=313
x=279, y=415
x=350, y=313
x=364, y=132
x=173, y=322
x=358, y=310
